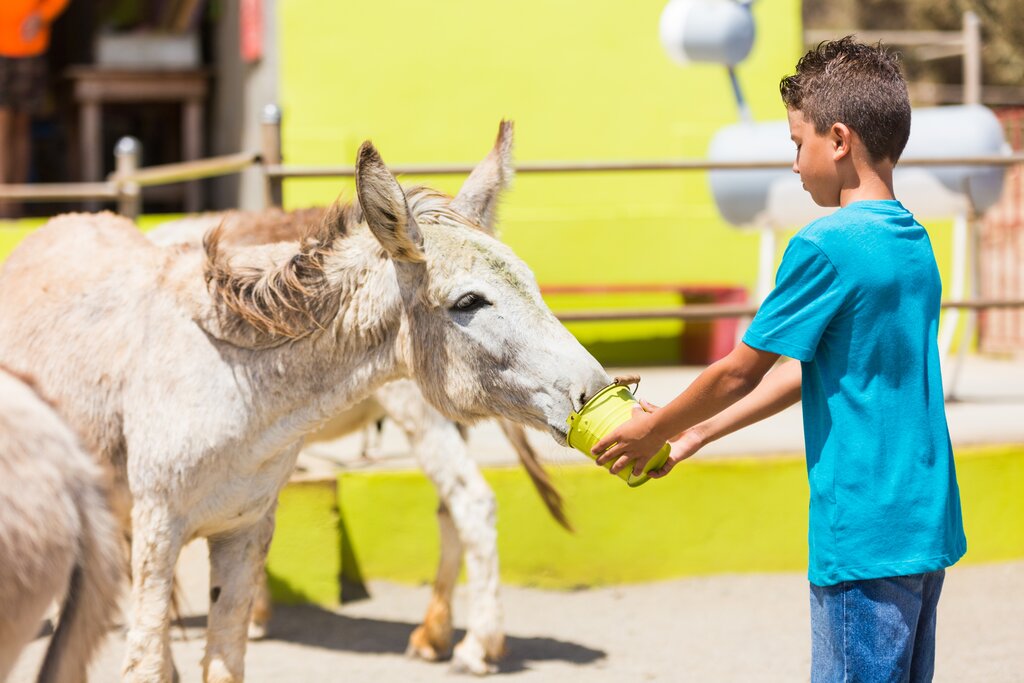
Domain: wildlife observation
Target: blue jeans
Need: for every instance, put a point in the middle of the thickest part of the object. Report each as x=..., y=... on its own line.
x=875, y=631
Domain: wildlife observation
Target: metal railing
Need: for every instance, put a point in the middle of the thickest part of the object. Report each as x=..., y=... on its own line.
x=124, y=186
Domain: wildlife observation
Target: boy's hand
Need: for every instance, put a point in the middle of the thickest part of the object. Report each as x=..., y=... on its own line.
x=634, y=441
x=683, y=446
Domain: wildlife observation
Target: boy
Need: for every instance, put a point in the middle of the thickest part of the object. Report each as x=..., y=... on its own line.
x=857, y=302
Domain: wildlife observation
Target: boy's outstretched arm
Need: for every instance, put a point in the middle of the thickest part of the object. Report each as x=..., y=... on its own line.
x=718, y=387
x=777, y=391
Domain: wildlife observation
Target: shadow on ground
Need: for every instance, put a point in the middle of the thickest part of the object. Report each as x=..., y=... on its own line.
x=317, y=627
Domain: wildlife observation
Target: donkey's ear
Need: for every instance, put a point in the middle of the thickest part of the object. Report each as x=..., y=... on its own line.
x=385, y=208
x=478, y=198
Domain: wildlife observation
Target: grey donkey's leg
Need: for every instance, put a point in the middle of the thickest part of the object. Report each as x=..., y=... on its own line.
x=237, y=562
x=467, y=519
x=262, y=609
x=156, y=543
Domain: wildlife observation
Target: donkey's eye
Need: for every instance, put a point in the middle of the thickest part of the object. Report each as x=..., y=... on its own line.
x=470, y=302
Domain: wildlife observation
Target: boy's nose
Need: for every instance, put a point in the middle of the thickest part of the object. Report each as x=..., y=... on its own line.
x=796, y=167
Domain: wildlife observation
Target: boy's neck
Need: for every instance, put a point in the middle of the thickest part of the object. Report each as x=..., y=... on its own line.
x=866, y=181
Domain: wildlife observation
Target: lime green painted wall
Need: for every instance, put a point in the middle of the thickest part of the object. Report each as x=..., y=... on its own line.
x=727, y=515
x=304, y=563
x=430, y=81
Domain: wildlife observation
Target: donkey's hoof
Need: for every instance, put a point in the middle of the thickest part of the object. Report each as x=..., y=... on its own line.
x=423, y=647
x=470, y=657
x=257, y=631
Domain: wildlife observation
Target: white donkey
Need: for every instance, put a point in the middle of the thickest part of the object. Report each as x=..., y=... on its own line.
x=467, y=510
x=57, y=536
x=198, y=375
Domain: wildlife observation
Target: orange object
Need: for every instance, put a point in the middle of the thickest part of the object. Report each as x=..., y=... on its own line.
x=13, y=17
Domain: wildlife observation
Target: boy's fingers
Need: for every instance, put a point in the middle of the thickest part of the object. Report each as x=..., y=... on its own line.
x=620, y=464
x=648, y=406
x=610, y=455
x=663, y=470
x=638, y=467
x=605, y=442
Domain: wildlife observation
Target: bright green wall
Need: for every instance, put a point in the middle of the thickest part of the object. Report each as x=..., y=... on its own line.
x=713, y=516
x=429, y=82
x=305, y=558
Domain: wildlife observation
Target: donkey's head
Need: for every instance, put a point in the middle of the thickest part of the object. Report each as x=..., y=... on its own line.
x=481, y=341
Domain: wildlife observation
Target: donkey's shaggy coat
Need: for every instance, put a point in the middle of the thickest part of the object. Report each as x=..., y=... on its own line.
x=197, y=375
x=58, y=537
x=468, y=510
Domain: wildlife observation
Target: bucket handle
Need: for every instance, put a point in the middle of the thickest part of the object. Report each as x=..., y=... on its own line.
x=626, y=380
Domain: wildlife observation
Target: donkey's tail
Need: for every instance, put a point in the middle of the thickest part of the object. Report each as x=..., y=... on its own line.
x=89, y=606
x=538, y=475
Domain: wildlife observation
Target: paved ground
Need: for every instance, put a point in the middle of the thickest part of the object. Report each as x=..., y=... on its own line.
x=721, y=629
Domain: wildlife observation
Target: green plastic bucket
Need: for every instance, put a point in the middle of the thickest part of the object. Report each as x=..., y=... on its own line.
x=609, y=408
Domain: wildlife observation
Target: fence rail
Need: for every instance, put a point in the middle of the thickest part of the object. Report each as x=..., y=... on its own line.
x=124, y=186
x=58, y=192
x=695, y=312
x=281, y=171
x=166, y=174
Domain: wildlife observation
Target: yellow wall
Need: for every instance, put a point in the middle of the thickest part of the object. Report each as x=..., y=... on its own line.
x=429, y=82
x=713, y=516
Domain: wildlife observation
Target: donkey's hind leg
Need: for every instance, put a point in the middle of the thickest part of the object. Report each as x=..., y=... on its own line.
x=237, y=560
x=432, y=640
x=262, y=609
x=467, y=517
x=467, y=520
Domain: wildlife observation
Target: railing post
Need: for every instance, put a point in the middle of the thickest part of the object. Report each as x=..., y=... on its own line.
x=972, y=58
x=126, y=162
x=270, y=151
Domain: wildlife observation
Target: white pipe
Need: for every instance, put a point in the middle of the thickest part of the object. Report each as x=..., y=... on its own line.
x=958, y=281
x=766, y=263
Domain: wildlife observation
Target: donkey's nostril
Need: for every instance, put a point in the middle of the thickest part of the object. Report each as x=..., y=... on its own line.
x=581, y=400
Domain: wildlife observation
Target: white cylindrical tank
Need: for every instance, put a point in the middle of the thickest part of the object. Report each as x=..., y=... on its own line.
x=775, y=197
x=716, y=31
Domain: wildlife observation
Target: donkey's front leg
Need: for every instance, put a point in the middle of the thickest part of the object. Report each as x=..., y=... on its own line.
x=156, y=542
x=236, y=565
x=467, y=519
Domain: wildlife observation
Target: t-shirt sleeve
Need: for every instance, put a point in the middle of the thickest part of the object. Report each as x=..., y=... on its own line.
x=806, y=297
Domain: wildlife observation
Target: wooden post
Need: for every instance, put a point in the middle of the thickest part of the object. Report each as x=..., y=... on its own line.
x=90, y=140
x=126, y=162
x=972, y=58
x=270, y=150
x=192, y=146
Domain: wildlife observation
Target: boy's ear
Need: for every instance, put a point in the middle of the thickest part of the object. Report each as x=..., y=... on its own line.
x=840, y=136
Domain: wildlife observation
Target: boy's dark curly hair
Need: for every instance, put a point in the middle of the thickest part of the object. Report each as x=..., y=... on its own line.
x=843, y=81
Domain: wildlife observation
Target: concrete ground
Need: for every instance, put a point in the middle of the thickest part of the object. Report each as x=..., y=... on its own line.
x=719, y=628
x=746, y=628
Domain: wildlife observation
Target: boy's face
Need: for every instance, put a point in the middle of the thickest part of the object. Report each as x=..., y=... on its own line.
x=816, y=157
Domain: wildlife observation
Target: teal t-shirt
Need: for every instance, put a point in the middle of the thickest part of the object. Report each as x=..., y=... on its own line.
x=857, y=302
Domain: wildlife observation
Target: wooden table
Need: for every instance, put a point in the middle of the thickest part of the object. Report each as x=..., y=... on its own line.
x=95, y=86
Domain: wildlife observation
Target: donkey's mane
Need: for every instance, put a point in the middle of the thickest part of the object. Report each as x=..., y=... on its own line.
x=292, y=299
